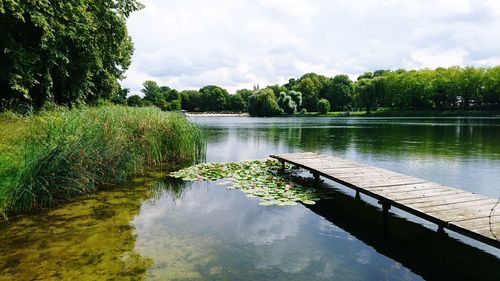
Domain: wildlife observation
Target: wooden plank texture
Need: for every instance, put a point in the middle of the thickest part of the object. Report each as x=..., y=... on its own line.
x=464, y=212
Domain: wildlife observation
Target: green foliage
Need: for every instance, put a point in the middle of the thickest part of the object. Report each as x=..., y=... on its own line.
x=245, y=95
x=442, y=88
x=135, y=100
x=152, y=92
x=287, y=103
x=214, y=98
x=175, y=105
x=66, y=52
x=263, y=103
x=236, y=103
x=296, y=97
x=61, y=154
x=311, y=85
x=191, y=100
x=323, y=106
x=339, y=92
x=277, y=89
x=258, y=179
x=120, y=96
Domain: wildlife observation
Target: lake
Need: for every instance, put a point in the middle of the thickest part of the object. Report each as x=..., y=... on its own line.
x=157, y=228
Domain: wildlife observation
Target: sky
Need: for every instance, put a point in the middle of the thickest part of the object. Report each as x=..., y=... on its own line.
x=235, y=44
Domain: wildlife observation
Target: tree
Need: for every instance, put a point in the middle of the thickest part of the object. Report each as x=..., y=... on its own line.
x=134, y=100
x=310, y=85
x=121, y=96
x=175, y=105
x=152, y=92
x=323, y=106
x=287, y=104
x=236, y=103
x=296, y=97
x=190, y=100
x=263, y=103
x=277, y=89
x=66, y=52
x=365, y=94
x=339, y=92
x=214, y=98
x=492, y=87
x=244, y=94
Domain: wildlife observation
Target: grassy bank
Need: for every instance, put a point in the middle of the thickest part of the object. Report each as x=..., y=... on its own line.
x=46, y=159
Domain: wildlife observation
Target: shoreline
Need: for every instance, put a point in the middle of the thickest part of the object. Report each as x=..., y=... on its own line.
x=458, y=114
x=218, y=114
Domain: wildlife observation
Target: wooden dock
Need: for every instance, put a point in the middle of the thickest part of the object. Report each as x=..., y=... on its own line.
x=464, y=212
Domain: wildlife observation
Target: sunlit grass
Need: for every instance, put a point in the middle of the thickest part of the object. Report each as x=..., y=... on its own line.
x=53, y=156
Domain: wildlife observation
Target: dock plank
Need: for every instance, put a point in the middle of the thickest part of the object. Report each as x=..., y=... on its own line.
x=461, y=211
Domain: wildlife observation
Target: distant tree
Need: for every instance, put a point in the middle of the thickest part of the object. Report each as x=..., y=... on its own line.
x=164, y=105
x=287, y=104
x=134, y=100
x=323, y=106
x=170, y=94
x=310, y=85
x=277, y=89
x=175, y=105
x=263, y=103
x=366, y=75
x=191, y=100
x=214, y=98
x=339, y=92
x=296, y=97
x=244, y=94
x=120, y=96
x=492, y=87
x=365, y=94
x=236, y=103
x=152, y=92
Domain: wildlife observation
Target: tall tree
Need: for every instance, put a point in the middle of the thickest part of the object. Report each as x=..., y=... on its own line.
x=152, y=92
x=66, y=52
x=339, y=92
x=214, y=98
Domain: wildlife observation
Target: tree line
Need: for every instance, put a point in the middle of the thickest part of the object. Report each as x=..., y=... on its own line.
x=438, y=89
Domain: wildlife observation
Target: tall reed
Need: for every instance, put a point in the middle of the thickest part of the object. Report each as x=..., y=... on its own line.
x=65, y=153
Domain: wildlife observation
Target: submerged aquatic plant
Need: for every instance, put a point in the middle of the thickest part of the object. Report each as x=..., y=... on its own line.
x=258, y=179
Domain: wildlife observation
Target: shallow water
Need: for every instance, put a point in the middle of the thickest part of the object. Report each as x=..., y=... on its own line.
x=155, y=228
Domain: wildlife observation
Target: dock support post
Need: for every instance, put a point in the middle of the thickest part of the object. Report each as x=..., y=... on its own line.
x=440, y=229
x=385, y=216
x=358, y=196
x=385, y=208
x=282, y=166
x=316, y=177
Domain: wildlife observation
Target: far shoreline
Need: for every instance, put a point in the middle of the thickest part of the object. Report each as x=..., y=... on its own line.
x=402, y=114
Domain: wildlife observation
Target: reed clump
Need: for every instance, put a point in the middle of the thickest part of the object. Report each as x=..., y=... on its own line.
x=48, y=158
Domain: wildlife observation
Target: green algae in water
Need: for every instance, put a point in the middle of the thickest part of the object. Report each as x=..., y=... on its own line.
x=258, y=179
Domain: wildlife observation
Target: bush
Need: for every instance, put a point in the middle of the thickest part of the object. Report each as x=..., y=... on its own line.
x=65, y=153
x=323, y=106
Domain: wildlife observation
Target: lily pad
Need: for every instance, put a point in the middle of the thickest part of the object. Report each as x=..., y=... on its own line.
x=258, y=178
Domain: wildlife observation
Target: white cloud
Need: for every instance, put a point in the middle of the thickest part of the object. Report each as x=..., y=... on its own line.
x=434, y=57
x=236, y=44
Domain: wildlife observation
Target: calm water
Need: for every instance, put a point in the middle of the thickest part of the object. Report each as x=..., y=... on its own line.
x=155, y=228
